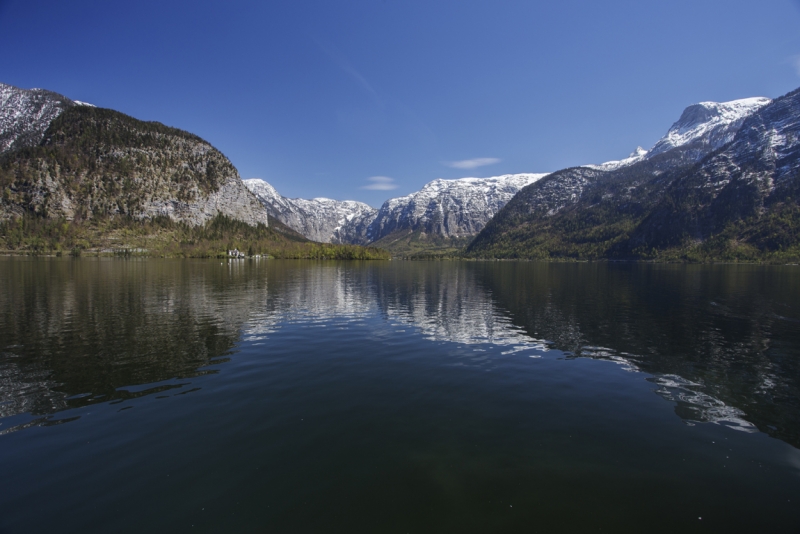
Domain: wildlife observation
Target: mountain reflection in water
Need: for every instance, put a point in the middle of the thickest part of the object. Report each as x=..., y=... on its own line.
x=721, y=342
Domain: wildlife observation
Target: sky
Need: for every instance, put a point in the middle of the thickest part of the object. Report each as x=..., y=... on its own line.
x=369, y=100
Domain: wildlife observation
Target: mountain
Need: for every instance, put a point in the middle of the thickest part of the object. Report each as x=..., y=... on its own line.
x=449, y=208
x=708, y=126
x=25, y=114
x=78, y=179
x=720, y=172
x=320, y=219
x=443, y=214
x=701, y=129
x=72, y=161
x=747, y=192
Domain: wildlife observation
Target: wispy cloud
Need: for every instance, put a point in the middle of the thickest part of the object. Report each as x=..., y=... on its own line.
x=341, y=61
x=380, y=183
x=797, y=64
x=471, y=163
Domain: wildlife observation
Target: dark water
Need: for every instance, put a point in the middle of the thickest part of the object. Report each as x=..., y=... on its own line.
x=277, y=396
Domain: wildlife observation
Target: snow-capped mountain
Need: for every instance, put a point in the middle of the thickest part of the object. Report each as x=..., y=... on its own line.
x=462, y=208
x=635, y=156
x=319, y=219
x=709, y=125
x=25, y=114
x=701, y=129
x=756, y=177
x=723, y=183
x=449, y=208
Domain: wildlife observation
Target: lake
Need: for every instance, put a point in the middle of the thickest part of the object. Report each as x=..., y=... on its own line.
x=148, y=395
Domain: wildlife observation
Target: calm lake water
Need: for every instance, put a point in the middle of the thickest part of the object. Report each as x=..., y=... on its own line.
x=292, y=397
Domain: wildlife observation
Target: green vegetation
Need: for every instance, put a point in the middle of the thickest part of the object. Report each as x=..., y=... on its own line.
x=89, y=188
x=598, y=233
x=94, y=162
x=656, y=210
x=773, y=237
x=161, y=236
x=414, y=245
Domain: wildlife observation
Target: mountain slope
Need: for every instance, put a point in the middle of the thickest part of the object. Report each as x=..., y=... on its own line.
x=594, y=213
x=444, y=214
x=320, y=219
x=25, y=114
x=449, y=208
x=95, y=162
x=701, y=129
x=708, y=125
x=747, y=192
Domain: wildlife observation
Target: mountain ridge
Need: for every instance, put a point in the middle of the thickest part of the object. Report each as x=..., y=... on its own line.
x=446, y=214
x=443, y=212
x=25, y=114
x=91, y=161
x=694, y=201
x=319, y=219
x=718, y=165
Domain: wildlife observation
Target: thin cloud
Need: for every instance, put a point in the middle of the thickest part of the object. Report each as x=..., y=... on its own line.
x=380, y=183
x=472, y=163
x=345, y=65
x=797, y=64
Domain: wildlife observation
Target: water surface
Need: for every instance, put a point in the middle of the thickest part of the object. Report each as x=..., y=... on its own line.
x=290, y=396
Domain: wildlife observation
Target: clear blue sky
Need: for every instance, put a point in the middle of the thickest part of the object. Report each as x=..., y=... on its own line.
x=316, y=97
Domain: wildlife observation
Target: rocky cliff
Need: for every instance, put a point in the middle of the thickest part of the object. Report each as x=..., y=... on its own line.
x=722, y=183
x=319, y=219
x=93, y=162
x=752, y=183
x=25, y=114
x=449, y=208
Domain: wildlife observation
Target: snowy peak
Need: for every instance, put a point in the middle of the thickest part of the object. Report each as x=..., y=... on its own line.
x=321, y=219
x=469, y=187
x=636, y=155
x=25, y=114
x=450, y=208
x=710, y=124
x=262, y=189
x=701, y=129
x=706, y=113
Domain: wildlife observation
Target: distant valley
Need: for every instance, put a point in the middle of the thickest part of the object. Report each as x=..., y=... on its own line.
x=444, y=214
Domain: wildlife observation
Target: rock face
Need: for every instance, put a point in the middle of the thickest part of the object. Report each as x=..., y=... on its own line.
x=719, y=166
x=708, y=126
x=701, y=129
x=462, y=208
x=449, y=208
x=94, y=162
x=25, y=114
x=444, y=208
x=755, y=178
x=320, y=219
